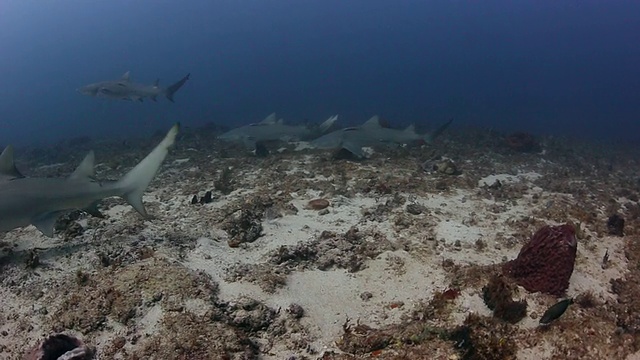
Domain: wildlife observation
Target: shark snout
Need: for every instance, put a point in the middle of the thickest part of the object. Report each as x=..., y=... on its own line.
x=87, y=91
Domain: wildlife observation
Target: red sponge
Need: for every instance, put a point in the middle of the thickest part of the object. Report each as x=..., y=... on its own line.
x=545, y=263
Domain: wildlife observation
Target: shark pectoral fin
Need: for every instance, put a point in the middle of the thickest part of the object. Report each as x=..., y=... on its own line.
x=354, y=148
x=134, y=198
x=154, y=98
x=250, y=143
x=93, y=210
x=429, y=138
x=46, y=222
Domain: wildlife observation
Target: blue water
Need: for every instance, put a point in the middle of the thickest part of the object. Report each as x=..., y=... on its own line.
x=547, y=67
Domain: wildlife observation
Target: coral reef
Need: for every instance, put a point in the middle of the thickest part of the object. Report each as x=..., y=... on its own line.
x=497, y=297
x=546, y=262
x=423, y=229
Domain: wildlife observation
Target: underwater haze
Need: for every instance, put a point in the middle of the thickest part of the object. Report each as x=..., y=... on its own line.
x=570, y=68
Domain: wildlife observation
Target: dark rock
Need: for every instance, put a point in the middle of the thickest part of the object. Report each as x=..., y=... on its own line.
x=206, y=198
x=615, y=225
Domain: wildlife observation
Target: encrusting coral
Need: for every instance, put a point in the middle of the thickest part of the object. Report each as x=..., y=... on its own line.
x=545, y=263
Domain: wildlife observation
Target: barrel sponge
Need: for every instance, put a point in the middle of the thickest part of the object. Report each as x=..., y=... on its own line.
x=545, y=263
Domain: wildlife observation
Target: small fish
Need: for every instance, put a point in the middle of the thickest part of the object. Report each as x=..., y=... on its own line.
x=555, y=311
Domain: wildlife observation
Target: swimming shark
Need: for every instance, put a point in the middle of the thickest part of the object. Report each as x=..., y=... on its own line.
x=372, y=133
x=125, y=89
x=271, y=129
x=40, y=201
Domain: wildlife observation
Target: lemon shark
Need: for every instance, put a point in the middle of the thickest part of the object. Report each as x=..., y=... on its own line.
x=372, y=133
x=125, y=89
x=40, y=201
x=271, y=129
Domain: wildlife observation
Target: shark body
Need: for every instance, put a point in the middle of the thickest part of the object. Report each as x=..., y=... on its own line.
x=40, y=201
x=125, y=89
x=371, y=133
x=271, y=129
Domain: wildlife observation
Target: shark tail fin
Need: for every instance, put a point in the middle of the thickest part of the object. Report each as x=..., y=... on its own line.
x=175, y=87
x=135, y=182
x=327, y=124
x=429, y=138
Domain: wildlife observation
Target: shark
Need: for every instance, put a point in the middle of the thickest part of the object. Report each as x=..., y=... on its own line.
x=371, y=133
x=125, y=89
x=40, y=201
x=271, y=129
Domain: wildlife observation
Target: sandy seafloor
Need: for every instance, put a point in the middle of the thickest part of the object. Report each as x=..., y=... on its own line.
x=363, y=278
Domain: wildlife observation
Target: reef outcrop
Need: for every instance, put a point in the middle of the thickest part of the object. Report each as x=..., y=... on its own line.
x=546, y=262
x=522, y=142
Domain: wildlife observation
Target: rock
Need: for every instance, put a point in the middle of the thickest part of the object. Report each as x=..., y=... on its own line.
x=318, y=204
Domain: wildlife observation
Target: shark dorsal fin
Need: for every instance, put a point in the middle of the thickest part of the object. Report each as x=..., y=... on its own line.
x=271, y=119
x=86, y=169
x=410, y=129
x=157, y=83
x=373, y=122
x=7, y=166
x=125, y=76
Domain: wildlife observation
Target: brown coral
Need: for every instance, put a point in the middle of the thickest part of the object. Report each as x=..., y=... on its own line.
x=497, y=297
x=545, y=263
